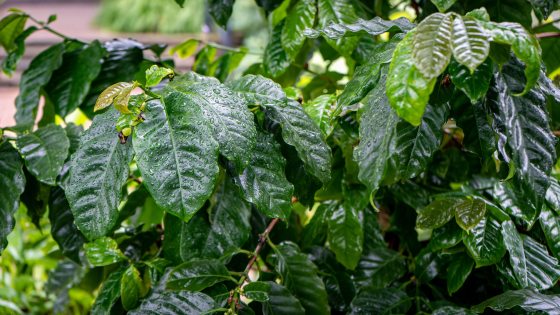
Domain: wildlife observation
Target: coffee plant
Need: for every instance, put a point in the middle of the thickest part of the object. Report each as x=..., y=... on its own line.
x=421, y=178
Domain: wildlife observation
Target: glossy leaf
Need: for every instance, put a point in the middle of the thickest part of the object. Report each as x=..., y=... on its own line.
x=366, y=77
x=552, y=196
x=300, y=17
x=263, y=181
x=443, y=5
x=345, y=236
x=475, y=85
x=221, y=10
x=445, y=237
x=374, y=27
x=32, y=80
x=431, y=44
x=469, y=213
x=11, y=26
x=408, y=90
x=44, y=152
x=196, y=275
x=98, y=170
x=132, y=287
x=155, y=74
x=63, y=230
x=175, y=303
x=108, y=294
x=470, y=43
x=116, y=93
x=257, y=291
x=276, y=60
x=103, y=251
x=437, y=213
x=321, y=110
x=177, y=154
x=12, y=179
x=380, y=301
x=527, y=299
x=378, y=268
x=458, y=271
x=338, y=12
x=485, y=243
x=299, y=275
x=70, y=84
x=281, y=301
x=550, y=226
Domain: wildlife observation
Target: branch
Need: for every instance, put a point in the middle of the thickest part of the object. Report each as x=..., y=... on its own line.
x=556, y=133
x=547, y=35
x=233, y=299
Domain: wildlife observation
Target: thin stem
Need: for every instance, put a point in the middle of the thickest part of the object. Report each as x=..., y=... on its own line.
x=232, y=49
x=52, y=31
x=547, y=35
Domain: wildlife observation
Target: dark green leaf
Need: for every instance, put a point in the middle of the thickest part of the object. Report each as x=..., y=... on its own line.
x=380, y=301
x=458, y=271
x=485, y=243
x=379, y=268
x=338, y=12
x=321, y=110
x=103, y=251
x=527, y=299
x=437, y=213
x=475, y=85
x=263, y=181
x=221, y=10
x=70, y=84
x=428, y=265
x=98, y=170
x=281, y=301
x=445, y=237
x=44, y=152
x=550, y=225
x=257, y=291
x=32, y=80
x=469, y=213
x=299, y=275
x=345, y=236
x=63, y=230
x=132, y=287
x=10, y=63
x=365, y=78
x=196, y=275
x=276, y=60
x=12, y=180
x=175, y=303
x=177, y=154
x=553, y=195
x=543, y=8
x=108, y=294
x=300, y=17
x=443, y=5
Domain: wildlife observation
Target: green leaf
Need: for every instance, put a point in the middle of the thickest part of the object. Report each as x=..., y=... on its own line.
x=470, y=43
x=378, y=268
x=175, y=303
x=11, y=27
x=300, y=17
x=185, y=49
x=414, y=146
x=63, y=230
x=437, y=213
x=524, y=122
x=543, y=8
x=299, y=275
x=36, y=76
x=298, y=129
x=13, y=183
x=132, y=287
x=117, y=94
x=44, y=152
x=552, y=196
x=70, y=84
x=338, y=12
x=196, y=275
x=264, y=182
x=281, y=301
x=431, y=44
x=321, y=110
x=98, y=170
x=458, y=271
x=228, y=114
x=376, y=26
x=10, y=63
x=380, y=301
x=366, y=77
x=485, y=243
x=221, y=10
x=108, y=294
x=469, y=213
x=443, y=5
x=103, y=251
x=228, y=231
x=378, y=137
x=533, y=267
x=257, y=291
x=345, y=236
x=177, y=154
x=445, y=237
x=550, y=225
x=452, y=310
x=524, y=45
x=276, y=60
x=407, y=89
x=527, y=299
x=475, y=85
x=155, y=74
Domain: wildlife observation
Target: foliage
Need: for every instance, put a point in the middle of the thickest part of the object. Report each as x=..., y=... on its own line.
x=423, y=171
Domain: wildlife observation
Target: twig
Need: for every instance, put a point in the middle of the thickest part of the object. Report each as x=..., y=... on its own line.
x=52, y=31
x=547, y=35
x=556, y=133
x=233, y=299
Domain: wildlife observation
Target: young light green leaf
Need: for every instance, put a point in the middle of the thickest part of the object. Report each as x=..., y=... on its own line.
x=437, y=213
x=264, y=182
x=185, y=49
x=175, y=303
x=44, y=152
x=458, y=271
x=197, y=275
x=177, y=154
x=98, y=170
x=431, y=45
x=470, y=43
x=300, y=17
x=36, y=76
x=13, y=183
x=10, y=27
x=485, y=243
x=407, y=89
x=132, y=288
x=469, y=212
x=108, y=294
x=103, y=251
x=117, y=92
x=155, y=74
